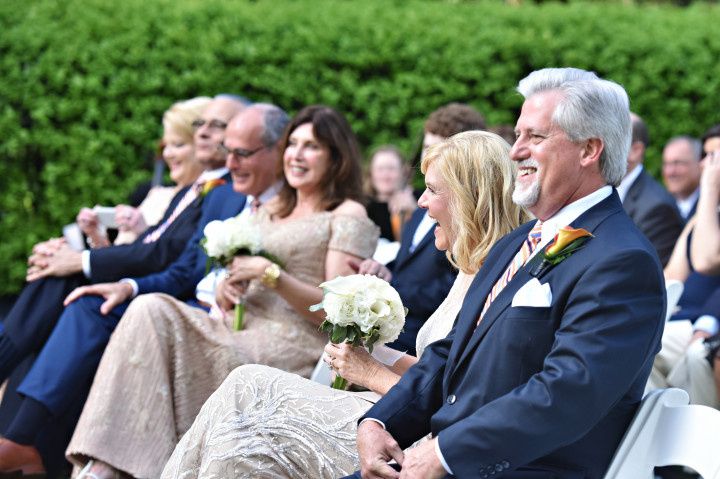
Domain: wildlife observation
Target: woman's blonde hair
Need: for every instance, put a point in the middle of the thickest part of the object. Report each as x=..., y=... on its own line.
x=476, y=168
x=180, y=116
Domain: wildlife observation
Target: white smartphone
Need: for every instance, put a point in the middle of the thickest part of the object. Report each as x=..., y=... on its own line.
x=106, y=216
x=74, y=236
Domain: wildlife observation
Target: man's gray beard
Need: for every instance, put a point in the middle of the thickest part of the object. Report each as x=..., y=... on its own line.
x=526, y=197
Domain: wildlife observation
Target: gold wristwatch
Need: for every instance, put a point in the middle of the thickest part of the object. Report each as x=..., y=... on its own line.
x=270, y=276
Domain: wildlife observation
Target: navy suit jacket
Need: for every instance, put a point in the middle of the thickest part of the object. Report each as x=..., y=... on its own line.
x=541, y=391
x=183, y=275
x=655, y=213
x=423, y=279
x=138, y=258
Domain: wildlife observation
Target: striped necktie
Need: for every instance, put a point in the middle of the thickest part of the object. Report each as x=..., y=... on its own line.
x=517, y=262
x=190, y=195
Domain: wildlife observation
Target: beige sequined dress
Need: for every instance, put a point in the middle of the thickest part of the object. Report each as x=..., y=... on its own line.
x=266, y=423
x=165, y=358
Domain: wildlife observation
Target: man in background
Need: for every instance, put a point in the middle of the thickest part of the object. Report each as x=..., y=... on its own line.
x=681, y=172
x=651, y=207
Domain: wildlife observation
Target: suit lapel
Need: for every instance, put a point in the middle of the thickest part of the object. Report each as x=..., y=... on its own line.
x=469, y=337
x=408, y=232
x=428, y=238
x=633, y=194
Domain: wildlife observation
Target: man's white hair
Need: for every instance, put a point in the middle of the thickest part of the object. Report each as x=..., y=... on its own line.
x=590, y=108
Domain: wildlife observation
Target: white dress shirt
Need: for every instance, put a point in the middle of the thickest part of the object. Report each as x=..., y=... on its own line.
x=425, y=225
x=686, y=204
x=627, y=182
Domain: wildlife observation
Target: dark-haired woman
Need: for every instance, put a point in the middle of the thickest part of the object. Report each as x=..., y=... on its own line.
x=180, y=355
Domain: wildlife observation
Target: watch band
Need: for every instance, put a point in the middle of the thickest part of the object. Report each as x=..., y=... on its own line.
x=270, y=276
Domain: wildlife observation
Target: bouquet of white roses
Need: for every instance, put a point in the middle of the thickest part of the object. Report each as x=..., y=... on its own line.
x=229, y=238
x=360, y=310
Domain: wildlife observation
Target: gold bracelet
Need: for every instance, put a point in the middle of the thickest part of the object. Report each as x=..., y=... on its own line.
x=270, y=276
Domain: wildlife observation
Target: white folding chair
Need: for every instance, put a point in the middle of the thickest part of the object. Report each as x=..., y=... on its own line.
x=666, y=431
x=674, y=289
x=321, y=374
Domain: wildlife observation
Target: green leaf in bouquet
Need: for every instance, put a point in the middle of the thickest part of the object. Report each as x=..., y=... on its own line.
x=326, y=326
x=352, y=334
x=372, y=338
x=271, y=257
x=339, y=333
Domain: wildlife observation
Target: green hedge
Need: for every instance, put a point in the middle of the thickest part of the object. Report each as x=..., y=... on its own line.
x=83, y=82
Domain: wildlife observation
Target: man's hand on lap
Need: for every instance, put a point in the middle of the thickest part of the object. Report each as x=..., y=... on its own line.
x=422, y=462
x=114, y=294
x=376, y=447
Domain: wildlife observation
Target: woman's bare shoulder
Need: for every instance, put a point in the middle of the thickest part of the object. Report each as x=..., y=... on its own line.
x=350, y=208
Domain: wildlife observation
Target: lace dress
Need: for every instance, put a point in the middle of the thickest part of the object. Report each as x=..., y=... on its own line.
x=266, y=423
x=165, y=358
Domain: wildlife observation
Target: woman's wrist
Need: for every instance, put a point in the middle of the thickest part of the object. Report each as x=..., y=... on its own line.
x=375, y=376
x=97, y=240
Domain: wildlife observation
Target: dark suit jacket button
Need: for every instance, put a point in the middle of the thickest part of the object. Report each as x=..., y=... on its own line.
x=451, y=399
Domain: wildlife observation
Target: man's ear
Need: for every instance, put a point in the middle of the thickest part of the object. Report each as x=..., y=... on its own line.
x=591, y=152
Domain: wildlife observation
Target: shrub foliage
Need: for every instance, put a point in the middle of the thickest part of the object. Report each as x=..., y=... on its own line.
x=84, y=83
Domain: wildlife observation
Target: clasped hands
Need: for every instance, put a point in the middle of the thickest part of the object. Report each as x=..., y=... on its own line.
x=53, y=257
x=240, y=271
x=402, y=202
x=377, y=447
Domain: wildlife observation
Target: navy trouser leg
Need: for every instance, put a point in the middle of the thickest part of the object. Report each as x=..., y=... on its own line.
x=55, y=436
x=64, y=370
x=32, y=318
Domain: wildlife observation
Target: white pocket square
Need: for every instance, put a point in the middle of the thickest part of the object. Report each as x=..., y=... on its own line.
x=533, y=294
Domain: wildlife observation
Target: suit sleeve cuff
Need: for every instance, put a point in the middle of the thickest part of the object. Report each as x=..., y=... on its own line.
x=373, y=420
x=133, y=284
x=706, y=323
x=441, y=457
x=85, y=259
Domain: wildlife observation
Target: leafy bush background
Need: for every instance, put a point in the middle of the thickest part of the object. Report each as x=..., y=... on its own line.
x=83, y=83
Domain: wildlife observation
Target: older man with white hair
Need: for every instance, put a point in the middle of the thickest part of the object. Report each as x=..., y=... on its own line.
x=551, y=350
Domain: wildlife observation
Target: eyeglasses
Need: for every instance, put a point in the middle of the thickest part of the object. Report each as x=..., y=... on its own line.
x=212, y=124
x=238, y=152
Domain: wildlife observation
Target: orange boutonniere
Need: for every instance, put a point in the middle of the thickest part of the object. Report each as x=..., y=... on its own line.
x=566, y=242
x=210, y=185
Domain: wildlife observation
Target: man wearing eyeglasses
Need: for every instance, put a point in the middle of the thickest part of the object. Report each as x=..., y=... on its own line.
x=81, y=346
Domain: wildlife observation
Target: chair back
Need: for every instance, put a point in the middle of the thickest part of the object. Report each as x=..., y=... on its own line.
x=666, y=431
x=321, y=374
x=674, y=290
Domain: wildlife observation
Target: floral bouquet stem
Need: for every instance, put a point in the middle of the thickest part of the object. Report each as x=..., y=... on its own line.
x=239, y=314
x=340, y=383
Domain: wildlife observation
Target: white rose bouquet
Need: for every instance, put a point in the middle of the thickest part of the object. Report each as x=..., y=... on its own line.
x=360, y=310
x=232, y=237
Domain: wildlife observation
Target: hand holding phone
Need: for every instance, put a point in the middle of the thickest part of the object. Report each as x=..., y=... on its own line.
x=106, y=216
